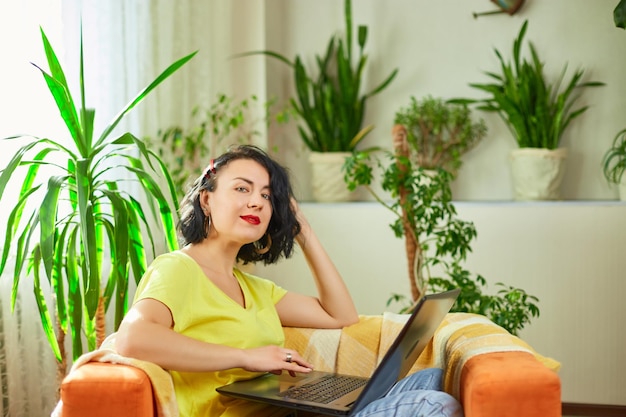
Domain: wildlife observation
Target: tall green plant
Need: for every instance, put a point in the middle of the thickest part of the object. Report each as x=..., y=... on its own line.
x=437, y=241
x=536, y=111
x=85, y=223
x=331, y=103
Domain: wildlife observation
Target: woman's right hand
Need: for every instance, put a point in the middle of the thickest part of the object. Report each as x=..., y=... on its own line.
x=275, y=359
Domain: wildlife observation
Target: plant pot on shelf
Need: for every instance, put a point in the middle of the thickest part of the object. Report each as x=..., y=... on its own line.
x=327, y=177
x=537, y=173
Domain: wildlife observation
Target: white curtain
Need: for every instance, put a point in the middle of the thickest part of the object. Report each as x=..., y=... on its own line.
x=127, y=43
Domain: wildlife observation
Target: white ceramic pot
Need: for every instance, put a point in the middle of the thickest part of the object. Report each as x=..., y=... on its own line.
x=537, y=173
x=327, y=177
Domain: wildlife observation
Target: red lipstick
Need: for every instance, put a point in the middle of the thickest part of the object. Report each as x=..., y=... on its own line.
x=251, y=219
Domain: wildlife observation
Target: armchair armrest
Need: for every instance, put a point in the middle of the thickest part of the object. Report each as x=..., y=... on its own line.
x=496, y=374
x=509, y=384
x=98, y=389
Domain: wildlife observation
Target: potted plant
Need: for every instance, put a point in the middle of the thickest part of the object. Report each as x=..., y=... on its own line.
x=82, y=225
x=537, y=112
x=332, y=107
x=614, y=163
x=436, y=241
x=439, y=133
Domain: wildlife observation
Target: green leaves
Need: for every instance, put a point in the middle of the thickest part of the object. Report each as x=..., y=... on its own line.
x=536, y=111
x=142, y=94
x=57, y=84
x=331, y=103
x=439, y=133
x=81, y=214
x=47, y=220
x=619, y=14
x=511, y=308
x=422, y=204
x=427, y=204
x=614, y=160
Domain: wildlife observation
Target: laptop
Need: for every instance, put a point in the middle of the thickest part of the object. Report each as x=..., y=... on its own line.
x=309, y=392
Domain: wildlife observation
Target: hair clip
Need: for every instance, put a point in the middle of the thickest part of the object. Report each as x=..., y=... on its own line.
x=210, y=170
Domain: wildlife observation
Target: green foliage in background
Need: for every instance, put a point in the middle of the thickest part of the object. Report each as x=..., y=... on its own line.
x=186, y=151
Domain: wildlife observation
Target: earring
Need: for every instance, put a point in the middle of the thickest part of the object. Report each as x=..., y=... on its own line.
x=207, y=224
x=268, y=245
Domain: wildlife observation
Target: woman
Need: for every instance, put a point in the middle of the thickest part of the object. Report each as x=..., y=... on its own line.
x=196, y=314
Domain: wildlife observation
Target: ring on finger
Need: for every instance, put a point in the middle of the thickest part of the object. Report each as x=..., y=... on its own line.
x=288, y=357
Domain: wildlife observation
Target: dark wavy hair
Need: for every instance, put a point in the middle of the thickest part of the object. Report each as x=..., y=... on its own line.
x=283, y=226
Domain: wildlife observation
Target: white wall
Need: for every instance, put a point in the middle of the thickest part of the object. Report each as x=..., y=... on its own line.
x=570, y=255
x=439, y=48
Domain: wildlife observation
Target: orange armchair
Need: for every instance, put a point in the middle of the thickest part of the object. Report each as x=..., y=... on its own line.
x=492, y=373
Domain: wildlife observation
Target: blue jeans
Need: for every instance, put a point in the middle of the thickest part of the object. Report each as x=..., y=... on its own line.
x=417, y=395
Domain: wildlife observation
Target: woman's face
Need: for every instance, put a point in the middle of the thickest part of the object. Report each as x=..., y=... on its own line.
x=240, y=206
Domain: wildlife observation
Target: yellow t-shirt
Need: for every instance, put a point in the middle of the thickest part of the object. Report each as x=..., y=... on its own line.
x=202, y=311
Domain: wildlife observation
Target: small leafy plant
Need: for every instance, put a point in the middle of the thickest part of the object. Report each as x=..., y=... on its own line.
x=439, y=133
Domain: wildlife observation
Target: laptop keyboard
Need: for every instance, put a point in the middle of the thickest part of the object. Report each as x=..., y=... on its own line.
x=324, y=390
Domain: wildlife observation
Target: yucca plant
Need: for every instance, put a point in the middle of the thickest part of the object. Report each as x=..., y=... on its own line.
x=536, y=111
x=331, y=103
x=84, y=224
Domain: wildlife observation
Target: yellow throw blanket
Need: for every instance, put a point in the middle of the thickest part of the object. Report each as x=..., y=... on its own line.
x=161, y=380
x=462, y=336
x=357, y=349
